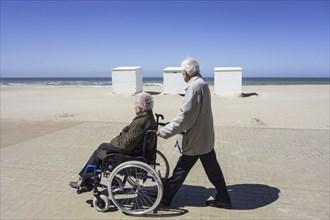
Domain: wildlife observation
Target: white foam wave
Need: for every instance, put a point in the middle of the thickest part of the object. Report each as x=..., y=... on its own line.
x=152, y=84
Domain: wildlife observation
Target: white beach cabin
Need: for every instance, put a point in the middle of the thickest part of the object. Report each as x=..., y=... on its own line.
x=127, y=79
x=173, y=81
x=227, y=81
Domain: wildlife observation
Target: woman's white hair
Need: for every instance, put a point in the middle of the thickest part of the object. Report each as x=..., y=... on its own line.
x=145, y=101
x=191, y=66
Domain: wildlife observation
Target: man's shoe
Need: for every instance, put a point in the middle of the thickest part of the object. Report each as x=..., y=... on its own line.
x=218, y=204
x=165, y=203
x=76, y=184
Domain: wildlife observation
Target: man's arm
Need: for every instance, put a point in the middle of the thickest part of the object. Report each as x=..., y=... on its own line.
x=186, y=118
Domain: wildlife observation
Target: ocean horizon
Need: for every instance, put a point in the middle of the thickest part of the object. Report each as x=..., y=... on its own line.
x=153, y=81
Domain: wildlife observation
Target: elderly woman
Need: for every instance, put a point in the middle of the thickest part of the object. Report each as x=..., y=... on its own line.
x=130, y=140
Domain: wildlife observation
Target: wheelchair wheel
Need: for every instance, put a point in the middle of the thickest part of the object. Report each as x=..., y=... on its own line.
x=142, y=188
x=101, y=205
x=162, y=166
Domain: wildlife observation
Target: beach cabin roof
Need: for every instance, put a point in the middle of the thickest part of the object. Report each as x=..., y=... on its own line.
x=227, y=69
x=126, y=68
x=172, y=70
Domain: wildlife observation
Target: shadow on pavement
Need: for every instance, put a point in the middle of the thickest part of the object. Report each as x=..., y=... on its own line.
x=153, y=93
x=159, y=212
x=243, y=196
x=252, y=196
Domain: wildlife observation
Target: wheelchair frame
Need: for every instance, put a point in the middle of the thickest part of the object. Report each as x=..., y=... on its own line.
x=134, y=186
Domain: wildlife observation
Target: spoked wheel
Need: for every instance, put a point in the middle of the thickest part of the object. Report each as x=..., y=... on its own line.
x=101, y=205
x=141, y=190
x=162, y=166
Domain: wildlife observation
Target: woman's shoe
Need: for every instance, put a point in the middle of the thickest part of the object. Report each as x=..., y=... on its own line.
x=76, y=184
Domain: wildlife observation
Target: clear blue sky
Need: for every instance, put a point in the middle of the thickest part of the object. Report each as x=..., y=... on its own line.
x=89, y=38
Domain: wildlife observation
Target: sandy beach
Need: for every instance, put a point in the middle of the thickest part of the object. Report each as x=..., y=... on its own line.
x=297, y=106
x=30, y=111
x=273, y=149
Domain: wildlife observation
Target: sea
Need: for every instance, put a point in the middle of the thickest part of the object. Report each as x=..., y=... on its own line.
x=151, y=81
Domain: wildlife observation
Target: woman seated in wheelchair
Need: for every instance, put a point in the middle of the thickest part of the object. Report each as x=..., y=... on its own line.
x=129, y=141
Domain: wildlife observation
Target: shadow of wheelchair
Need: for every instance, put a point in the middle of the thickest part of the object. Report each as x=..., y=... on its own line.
x=243, y=196
x=158, y=212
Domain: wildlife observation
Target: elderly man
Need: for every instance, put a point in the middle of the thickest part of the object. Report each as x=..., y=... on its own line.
x=194, y=124
x=130, y=139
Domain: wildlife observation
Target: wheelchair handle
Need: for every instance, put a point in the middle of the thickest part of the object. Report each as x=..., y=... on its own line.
x=159, y=116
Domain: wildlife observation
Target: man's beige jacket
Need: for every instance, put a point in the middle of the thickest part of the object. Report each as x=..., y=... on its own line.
x=194, y=123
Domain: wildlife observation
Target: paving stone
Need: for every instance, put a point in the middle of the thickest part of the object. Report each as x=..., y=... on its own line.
x=271, y=174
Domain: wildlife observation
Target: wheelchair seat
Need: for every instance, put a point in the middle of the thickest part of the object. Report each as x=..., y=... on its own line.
x=148, y=156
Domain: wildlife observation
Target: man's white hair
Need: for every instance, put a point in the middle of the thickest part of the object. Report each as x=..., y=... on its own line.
x=190, y=65
x=145, y=101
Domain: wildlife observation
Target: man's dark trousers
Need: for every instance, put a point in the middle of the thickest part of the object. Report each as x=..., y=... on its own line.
x=181, y=171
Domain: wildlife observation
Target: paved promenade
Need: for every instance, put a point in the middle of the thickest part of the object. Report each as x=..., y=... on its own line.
x=271, y=174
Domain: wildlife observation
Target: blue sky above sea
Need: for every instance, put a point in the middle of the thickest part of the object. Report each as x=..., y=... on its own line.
x=89, y=38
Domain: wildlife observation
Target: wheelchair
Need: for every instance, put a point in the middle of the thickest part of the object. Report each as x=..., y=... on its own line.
x=134, y=183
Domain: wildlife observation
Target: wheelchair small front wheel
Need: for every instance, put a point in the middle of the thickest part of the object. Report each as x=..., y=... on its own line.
x=101, y=205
